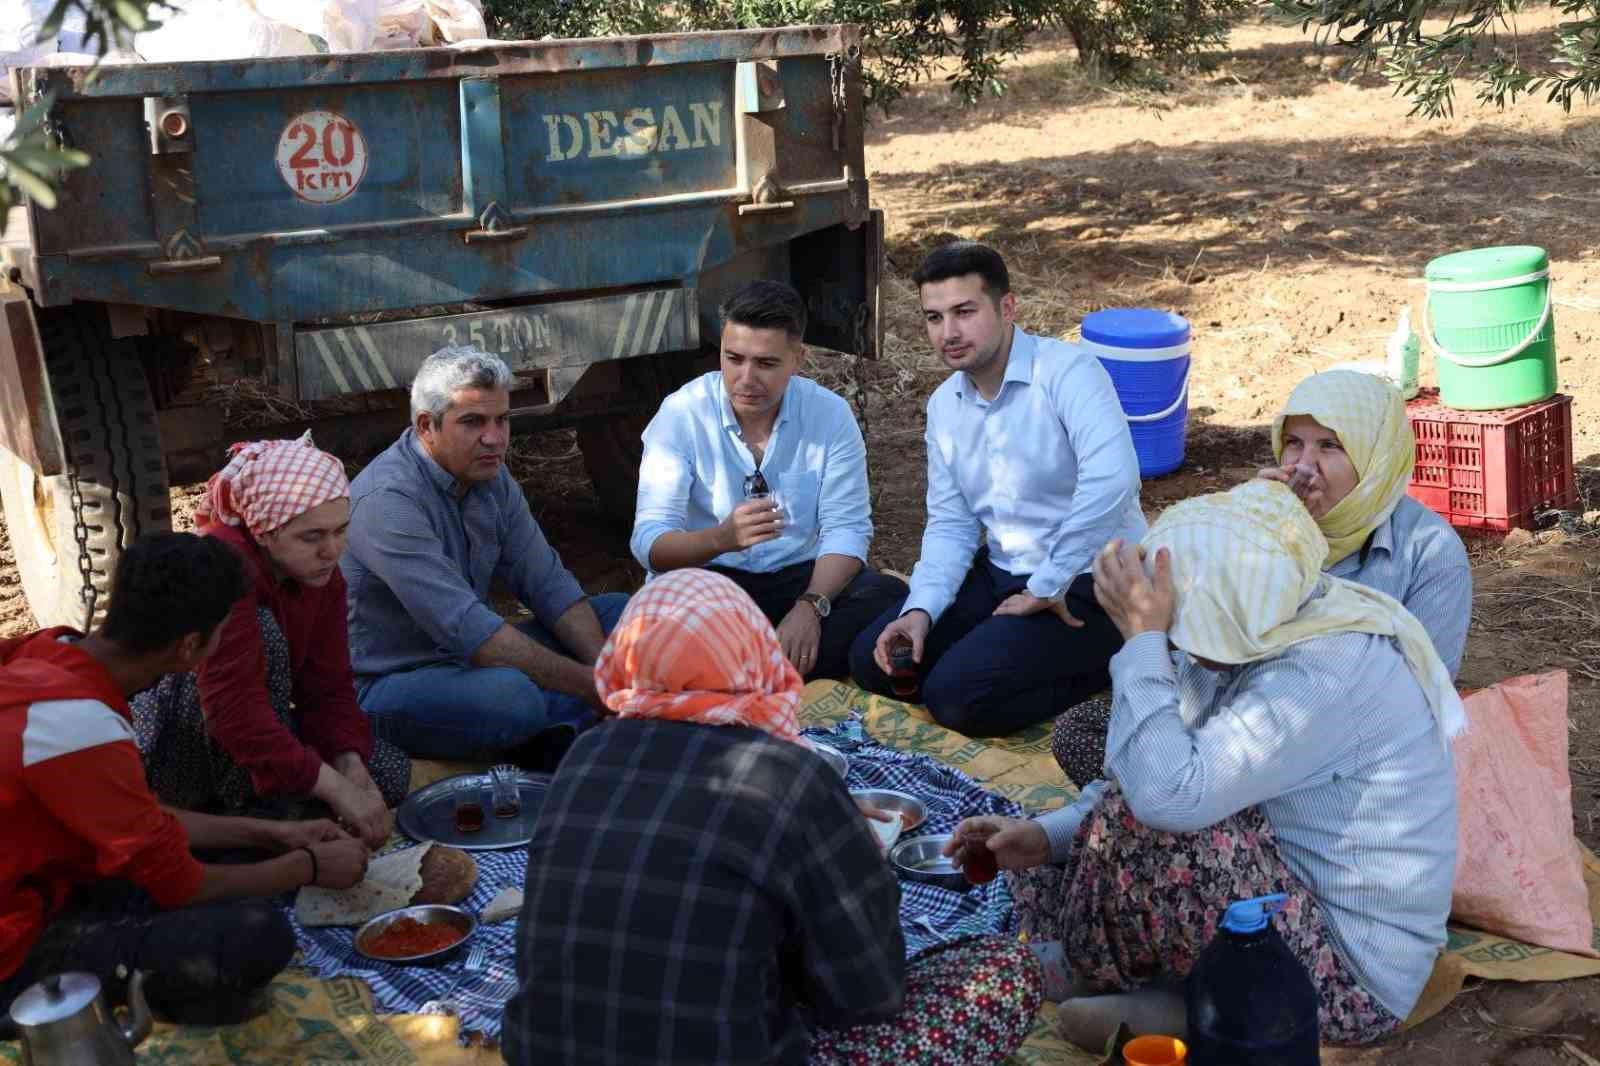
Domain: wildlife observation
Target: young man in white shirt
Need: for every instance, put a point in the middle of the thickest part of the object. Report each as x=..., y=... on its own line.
x=756, y=473
x=1031, y=471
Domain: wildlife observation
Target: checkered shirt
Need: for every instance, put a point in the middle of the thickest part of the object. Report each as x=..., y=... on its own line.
x=698, y=894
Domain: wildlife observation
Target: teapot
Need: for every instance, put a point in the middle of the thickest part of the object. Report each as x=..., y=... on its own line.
x=65, y=1021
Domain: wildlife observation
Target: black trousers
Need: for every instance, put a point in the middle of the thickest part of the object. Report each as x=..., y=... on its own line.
x=985, y=675
x=203, y=962
x=867, y=596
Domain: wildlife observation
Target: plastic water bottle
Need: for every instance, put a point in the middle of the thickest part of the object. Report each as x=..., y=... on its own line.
x=1404, y=352
x=1248, y=999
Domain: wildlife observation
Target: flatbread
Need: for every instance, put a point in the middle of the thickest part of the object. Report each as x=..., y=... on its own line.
x=508, y=904
x=448, y=876
x=888, y=832
x=390, y=883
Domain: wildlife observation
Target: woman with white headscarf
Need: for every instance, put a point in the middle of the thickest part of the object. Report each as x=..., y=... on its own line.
x=1349, y=436
x=270, y=720
x=1300, y=745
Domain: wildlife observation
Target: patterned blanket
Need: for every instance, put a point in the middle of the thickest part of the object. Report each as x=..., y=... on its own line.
x=309, y=1021
x=929, y=915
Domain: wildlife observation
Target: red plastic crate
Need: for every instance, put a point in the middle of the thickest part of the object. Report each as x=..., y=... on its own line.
x=1492, y=469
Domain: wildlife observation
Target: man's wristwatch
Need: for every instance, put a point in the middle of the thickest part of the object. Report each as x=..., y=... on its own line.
x=818, y=602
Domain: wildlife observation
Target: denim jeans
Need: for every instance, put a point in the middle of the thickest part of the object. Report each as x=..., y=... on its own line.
x=459, y=711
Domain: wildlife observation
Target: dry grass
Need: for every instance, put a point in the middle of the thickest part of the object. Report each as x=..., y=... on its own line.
x=251, y=404
x=548, y=463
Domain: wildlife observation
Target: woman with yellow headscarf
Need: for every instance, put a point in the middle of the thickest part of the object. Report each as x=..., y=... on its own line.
x=702, y=889
x=1300, y=745
x=1347, y=436
x=1350, y=434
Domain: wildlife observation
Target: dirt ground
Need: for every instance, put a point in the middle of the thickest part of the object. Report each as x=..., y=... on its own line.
x=1286, y=205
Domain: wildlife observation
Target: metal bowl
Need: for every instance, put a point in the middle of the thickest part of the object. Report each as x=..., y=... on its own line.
x=923, y=859
x=913, y=812
x=832, y=756
x=428, y=914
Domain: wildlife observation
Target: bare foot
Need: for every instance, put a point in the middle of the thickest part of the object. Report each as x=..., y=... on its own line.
x=1091, y=1021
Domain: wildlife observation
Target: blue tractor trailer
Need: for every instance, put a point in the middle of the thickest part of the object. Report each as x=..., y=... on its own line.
x=305, y=230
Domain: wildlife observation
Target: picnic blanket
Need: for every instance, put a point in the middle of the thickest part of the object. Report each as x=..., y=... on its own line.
x=930, y=915
x=476, y=997
x=309, y=1021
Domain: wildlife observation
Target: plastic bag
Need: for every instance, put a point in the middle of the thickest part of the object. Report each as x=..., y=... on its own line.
x=1518, y=870
x=221, y=29
x=20, y=21
x=403, y=24
x=457, y=20
x=344, y=25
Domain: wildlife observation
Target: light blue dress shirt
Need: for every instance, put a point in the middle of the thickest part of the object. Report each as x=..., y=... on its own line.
x=1046, y=471
x=1334, y=741
x=695, y=463
x=1419, y=560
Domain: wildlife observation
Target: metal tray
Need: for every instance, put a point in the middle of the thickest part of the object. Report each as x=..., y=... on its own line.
x=430, y=813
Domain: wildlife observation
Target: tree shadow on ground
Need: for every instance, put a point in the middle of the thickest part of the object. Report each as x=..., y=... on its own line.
x=1201, y=212
x=1050, y=80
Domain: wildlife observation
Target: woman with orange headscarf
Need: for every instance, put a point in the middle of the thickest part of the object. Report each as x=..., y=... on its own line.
x=702, y=889
x=271, y=718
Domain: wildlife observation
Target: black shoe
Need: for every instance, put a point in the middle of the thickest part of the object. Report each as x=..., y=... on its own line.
x=545, y=750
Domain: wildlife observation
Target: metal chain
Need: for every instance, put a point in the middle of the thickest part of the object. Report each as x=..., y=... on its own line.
x=836, y=70
x=88, y=595
x=862, y=316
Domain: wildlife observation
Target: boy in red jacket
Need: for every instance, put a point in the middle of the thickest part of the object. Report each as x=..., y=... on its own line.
x=97, y=876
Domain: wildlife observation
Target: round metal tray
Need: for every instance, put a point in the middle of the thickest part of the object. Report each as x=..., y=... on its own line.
x=430, y=813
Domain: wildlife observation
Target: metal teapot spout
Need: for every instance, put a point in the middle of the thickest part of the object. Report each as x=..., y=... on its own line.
x=139, y=1020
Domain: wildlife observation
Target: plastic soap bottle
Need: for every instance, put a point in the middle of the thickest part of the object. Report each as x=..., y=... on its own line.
x=1404, y=353
x=1248, y=999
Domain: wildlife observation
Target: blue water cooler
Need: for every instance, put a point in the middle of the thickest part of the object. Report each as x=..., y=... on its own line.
x=1146, y=352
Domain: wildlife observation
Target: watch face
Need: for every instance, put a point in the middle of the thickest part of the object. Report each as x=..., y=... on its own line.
x=818, y=602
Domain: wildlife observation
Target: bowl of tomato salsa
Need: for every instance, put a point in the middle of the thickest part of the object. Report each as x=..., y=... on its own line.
x=416, y=936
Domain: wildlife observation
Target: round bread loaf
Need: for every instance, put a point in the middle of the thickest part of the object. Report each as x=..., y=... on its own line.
x=448, y=875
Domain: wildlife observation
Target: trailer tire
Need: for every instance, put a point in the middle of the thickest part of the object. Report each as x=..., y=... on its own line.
x=69, y=530
x=613, y=447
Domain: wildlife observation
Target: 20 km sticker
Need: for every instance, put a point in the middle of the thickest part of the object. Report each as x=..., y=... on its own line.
x=322, y=156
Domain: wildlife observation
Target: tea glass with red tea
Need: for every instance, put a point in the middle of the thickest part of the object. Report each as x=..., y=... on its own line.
x=469, y=812
x=903, y=679
x=978, y=863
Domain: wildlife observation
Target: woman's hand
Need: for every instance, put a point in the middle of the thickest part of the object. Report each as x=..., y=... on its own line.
x=1015, y=843
x=1135, y=602
x=340, y=863
x=359, y=805
x=1306, y=482
x=281, y=837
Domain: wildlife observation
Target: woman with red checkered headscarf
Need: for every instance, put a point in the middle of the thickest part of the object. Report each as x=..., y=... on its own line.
x=270, y=720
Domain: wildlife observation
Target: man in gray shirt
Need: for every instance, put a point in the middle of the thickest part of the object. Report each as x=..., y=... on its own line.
x=433, y=521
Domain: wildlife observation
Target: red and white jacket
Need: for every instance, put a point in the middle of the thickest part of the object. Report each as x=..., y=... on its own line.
x=74, y=805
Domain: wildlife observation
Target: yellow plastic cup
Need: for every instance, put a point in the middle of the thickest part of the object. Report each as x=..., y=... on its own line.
x=1155, y=1051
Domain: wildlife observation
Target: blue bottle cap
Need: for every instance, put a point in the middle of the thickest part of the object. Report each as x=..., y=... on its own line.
x=1250, y=915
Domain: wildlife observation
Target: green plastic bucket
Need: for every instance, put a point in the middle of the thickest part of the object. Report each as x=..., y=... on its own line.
x=1489, y=320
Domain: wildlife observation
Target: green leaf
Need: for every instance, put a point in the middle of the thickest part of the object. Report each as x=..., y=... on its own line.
x=37, y=188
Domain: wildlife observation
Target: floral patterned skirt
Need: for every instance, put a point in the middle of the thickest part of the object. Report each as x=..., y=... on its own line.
x=1078, y=740
x=187, y=768
x=1136, y=904
x=967, y=1003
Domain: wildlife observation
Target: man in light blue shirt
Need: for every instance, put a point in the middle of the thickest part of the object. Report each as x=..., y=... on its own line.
x=1031, y=471
x=761, y=475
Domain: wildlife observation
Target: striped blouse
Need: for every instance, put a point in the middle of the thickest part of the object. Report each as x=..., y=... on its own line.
x=1333, y=740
